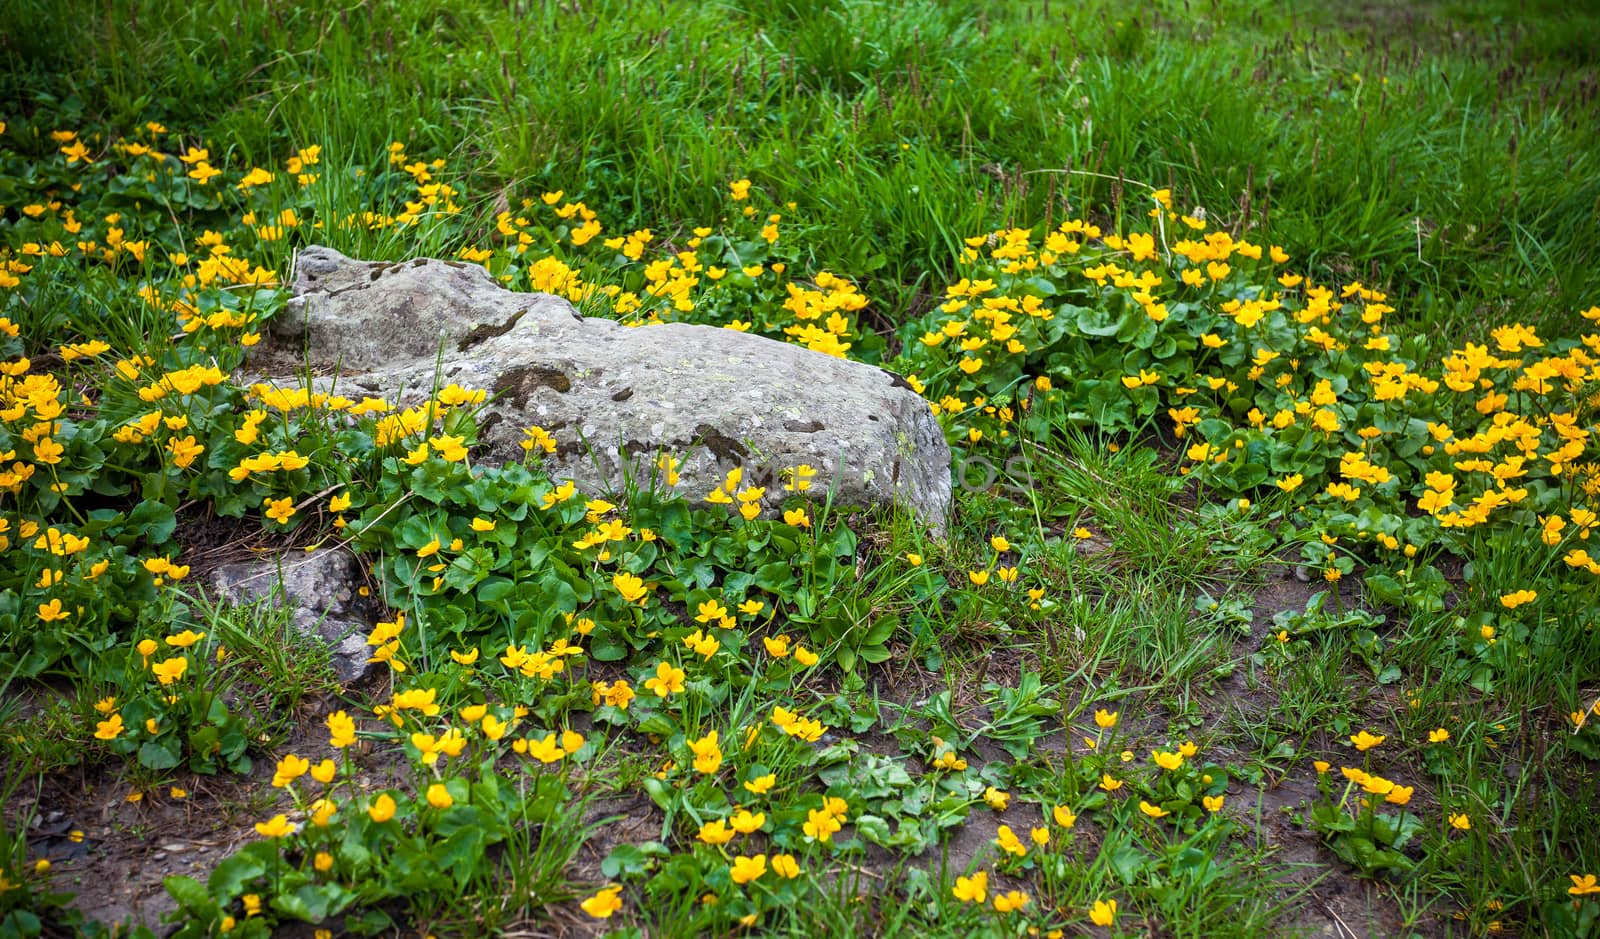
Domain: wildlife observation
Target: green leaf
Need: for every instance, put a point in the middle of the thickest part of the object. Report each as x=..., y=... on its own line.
x=631, y=860
x=153, y=521
x=495, y=589
x=1126, y=862
x=1093, y=321
x=159, y=754
x=231, y=877
x=191, y=896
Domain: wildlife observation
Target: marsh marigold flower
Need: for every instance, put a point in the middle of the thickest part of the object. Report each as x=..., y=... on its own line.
x=745, y=869
x=707, y=754
x=603, y=904
x=668, y=680
x=1517, y=598
x=278, y=826
x=382, y=808
x=974, y=889
x=171, y=670
x=109, y=729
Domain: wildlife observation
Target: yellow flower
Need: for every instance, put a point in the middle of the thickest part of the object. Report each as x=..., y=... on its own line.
x=996, y=799
x=746, y=869
x=1460, y=821
x=290, y=768
x=184, y=451
x=1583, y=886
x=701, y=644
x=171, y=670
x=603, y=904
x=1009, y=901
x=668, y=680
x=710, y=610
x=109, y=729
x=1154, y=811
x=631, y=588
x=1439, y=735
x=1104, y=912
x=341, y=729
x=1105, y=719
x=978, y=578
x=280, y=510
x=1366, y=741
x=1167, y=761
x=278, y=826
x=324, y=772
x=805, y=656
x=1517, y=598
x=1212, y=803
x=545, y=749
x=382, y=808
x=821, y=825
x=439, y=796
x=715, y=832
x=761, y=785
x=1063, y=816
x=1109, y=784
x=785, y=866
x=1009, y=842
x=707, y=754
x=999, y=543
x=974, y=889
x=184, y=639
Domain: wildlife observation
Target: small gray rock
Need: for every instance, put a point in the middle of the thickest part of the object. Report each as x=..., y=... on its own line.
x=320, y=591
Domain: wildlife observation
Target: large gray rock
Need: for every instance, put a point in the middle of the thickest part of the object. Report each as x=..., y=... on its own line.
x=320, y=590
x=616, y=397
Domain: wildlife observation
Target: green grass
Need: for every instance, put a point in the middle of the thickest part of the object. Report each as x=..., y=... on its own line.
x=1458, y=173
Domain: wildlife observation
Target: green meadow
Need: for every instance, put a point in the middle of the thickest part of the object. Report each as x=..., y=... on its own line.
x=1265, y=338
